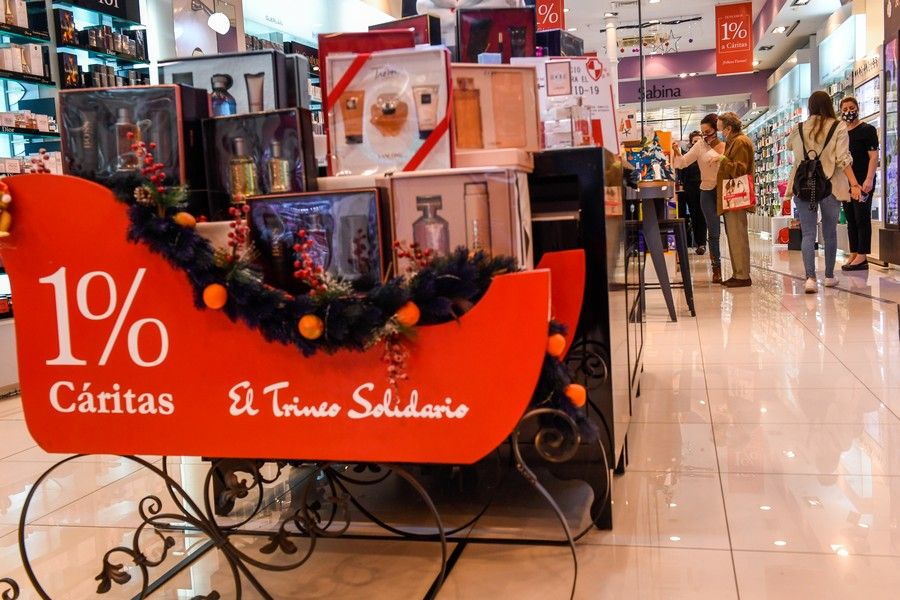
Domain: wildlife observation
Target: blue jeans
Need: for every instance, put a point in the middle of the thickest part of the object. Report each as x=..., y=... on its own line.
x=713, y=223
x=831, y=210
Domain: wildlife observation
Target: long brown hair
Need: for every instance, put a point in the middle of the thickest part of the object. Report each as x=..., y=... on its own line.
x=820, y=105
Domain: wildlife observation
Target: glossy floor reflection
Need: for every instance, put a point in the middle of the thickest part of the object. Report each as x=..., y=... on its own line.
x=764, y=465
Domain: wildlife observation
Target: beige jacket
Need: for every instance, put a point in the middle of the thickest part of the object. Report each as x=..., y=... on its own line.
x=835, y=157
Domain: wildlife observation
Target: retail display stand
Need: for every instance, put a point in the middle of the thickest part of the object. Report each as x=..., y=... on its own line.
x=115, y=359
x=649, y=193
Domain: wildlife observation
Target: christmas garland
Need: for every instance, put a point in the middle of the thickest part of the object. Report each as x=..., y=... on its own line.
x=334, y=314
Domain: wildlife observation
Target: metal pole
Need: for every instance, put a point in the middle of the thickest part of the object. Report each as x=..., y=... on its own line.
x=641, y=59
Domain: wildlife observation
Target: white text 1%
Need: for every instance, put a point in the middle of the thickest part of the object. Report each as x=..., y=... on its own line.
x=60, y=292
x=733, y=30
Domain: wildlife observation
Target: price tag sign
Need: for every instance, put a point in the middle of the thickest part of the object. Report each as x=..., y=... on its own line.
x=550, y=15
x=734, y=38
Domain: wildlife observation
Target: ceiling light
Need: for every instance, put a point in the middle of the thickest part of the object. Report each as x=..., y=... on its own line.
x=763, y=410
x=864, y=525
x=672, y=505
x=609, y=15
x=683, y=75
x=692, y=74
x=567, y=10
x=780, y=543
x=673, y=538
x=843, y=552
x=572, y=29
x=789, y=454
x=219, y=23
x=765, y=507
x=654, y=1
x=780, y=29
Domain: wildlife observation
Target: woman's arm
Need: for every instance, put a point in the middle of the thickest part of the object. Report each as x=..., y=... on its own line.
x=869, y=183
x=844, y=160
x=681, y=161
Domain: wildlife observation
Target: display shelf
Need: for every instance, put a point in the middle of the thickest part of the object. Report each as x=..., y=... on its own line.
x=107, y=56
x=25, y=78
x=31, y=134
x=23, y=33
x=116, y=21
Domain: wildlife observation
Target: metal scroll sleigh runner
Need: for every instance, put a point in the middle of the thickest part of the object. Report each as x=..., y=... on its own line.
x=323, y=503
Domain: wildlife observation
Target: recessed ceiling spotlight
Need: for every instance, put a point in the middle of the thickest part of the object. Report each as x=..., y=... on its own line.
x=609, y=15
x=683, y=75
x=654, y=1
x=780, y=29
x=572, y=29
x=567, y=10
x=692, y=74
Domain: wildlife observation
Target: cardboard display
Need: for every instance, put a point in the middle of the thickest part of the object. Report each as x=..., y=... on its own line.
x=115, y=358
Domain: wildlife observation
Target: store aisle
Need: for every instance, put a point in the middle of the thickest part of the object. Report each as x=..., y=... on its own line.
x=765, y=464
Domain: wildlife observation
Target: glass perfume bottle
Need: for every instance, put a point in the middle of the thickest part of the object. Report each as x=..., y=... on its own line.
x=242, y=174
x=223, y=103
x=127, y=134
x=478, y=217
x=356, y=245
x=279, y=170
x=319, y=232
x=431, y=230
x=467, y=114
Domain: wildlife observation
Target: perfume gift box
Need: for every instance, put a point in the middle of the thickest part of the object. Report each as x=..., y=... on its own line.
x=389, y=111
x=495, y=107
x=260, y=153
x=557, y=42
x=480, y=209
x=238, y=83
x=359, y=42
x=344, y=228
x=95, y=124
x=509, y=32
x=426, y=28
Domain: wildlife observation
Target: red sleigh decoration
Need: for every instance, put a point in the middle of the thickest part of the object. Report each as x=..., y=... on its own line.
x=163, y=377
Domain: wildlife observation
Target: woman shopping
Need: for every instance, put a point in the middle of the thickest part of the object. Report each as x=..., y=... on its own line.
x=705, y=151
x=736, y=161
x=822, y=177
x=864, y=150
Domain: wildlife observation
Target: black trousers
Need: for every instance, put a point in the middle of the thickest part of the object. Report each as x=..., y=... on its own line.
x=690, y=199
x=859, y=225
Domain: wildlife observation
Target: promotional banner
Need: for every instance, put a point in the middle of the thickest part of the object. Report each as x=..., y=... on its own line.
x=734, y=38
x=550, y=15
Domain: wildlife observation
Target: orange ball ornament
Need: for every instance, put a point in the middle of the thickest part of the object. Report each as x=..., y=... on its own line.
x=556, y=344
x=311, y=327
x=576, y=394
x=408, y=315
x=185, y=220
x=215, y=295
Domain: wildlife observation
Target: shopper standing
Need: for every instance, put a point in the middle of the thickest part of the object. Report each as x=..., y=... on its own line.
x=737, y=160
x=706, y=154
x=864, y=151
x=823, y=137
x=689, y=203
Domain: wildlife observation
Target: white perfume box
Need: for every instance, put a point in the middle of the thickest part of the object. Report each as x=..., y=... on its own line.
x=35, y=56
x=12, y=165
x=7, y=119
x=21, y=13
x=43, y=122
x=14, y=58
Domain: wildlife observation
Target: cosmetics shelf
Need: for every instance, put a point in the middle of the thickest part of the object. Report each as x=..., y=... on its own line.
x=25, y=78
x=30, y=134
x=117, y=22
x=107, y=56
x=23, y=33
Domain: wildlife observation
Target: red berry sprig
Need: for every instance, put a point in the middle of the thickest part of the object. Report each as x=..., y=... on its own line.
x=306, y=270
x=39, y=163
x=395, y=356
x=417, y=257
x=239, y=231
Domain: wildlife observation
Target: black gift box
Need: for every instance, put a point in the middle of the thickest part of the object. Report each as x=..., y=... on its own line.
x=291, y=129
x=509, y=31
x=258, y=78
x=426, y=28
x=560, y=43
x=65, y=27
x=69, y=74
x=168, y=115
x=345, y=228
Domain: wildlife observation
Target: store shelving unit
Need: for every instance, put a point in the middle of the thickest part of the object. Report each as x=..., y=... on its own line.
x=773, y=157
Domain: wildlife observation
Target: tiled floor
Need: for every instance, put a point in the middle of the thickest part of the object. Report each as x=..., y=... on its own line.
x=765, y=464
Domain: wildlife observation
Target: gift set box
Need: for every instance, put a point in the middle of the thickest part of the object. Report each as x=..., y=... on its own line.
x=494, y=107
x=557, y=42
x=509, y=32
x=358, y=42
x=96, y=123
x=238, y=83
x=388, y=111
x=480, y=209
x=256, y=154
x=426, y=28
x=343, y=226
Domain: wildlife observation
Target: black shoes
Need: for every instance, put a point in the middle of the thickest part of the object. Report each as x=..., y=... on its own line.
x=701, y=250
x=863, y=266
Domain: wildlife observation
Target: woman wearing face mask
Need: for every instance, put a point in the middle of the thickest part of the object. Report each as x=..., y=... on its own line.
x=736, y=161
x=706, y=153
x=864, y=150
x=837, y=165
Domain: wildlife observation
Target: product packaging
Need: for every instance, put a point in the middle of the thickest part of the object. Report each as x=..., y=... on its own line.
x=577, y=102
x=34, y=58
x=560, y=43
x=426, y=28
x=344, y=229
x=298, y=82
x=359, y=42
x=256, y=80
x=507, y=31
x=481, y=209
x=65, y=27
x=21, y=13
x=255, y=154
x=95, y=124
x=495, y=107
x=388, y=111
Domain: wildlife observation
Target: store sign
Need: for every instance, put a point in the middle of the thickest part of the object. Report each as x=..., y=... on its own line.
x=658, y=92
x=734, y=38
x=114, y=358
x=550, y=14
x=866, y=69
x=129, y=10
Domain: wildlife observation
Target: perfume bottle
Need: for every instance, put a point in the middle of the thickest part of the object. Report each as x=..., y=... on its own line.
x=282, y=262
x=319, y=233
x=431, y=230
x=581, y=124
x=127, y=134
x=9, y=12
x=279, y=170
x=478, y=217
x=223, y=103
x=242, y=174
x=356, y=245
x=517, y=38
x=467, y=114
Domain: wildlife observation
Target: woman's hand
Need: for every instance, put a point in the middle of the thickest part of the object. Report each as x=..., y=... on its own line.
x=676, y=149
x=868, y=185
x=855, y=192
